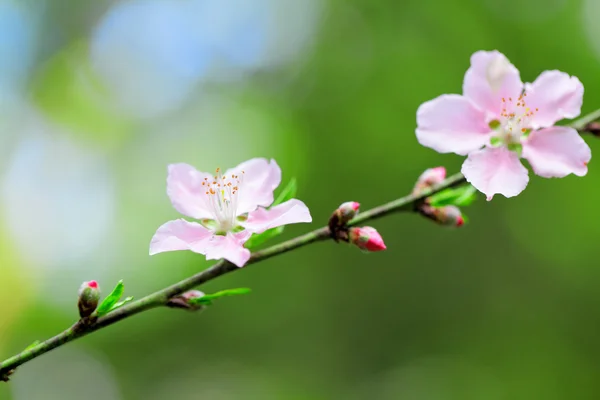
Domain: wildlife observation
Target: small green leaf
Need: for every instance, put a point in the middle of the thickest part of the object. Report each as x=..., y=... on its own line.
x=260, y=238
x=288, y=193
x=469, y=194
x=32, y=345
x=121, y=303
x=444, y=198
x=109, y=302
x=207, y=299
x=461, y=197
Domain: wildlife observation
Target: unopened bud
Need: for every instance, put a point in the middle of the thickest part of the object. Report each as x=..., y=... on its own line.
x=347, y=211
x=184, y=300
x=89, y=295
x=447, y=215
x=344, y=213
x=366, y=238
x=593, y=128
x=429, y=178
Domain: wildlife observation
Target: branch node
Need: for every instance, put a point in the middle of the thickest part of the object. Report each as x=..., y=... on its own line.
x=5, y=374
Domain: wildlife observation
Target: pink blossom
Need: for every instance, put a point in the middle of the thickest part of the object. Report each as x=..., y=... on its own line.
x=498, y=120
x=230, y=207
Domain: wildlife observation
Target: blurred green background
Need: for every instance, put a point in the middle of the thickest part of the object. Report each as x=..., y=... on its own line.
x=96, y=98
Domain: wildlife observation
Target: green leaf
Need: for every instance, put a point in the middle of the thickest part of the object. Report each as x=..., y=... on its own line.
x=260, y=238
x=121, y=303
x=288, y=193
x=444, y=198
x=32, y=345
x=468, y=196
x=460, y=197
x=111, y=300
x=207, y=299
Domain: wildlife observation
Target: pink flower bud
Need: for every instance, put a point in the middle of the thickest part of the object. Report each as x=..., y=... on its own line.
x=366, y=238
x=183, y=300
x=347, y=211
x=89, y=296
x=447, y=215
x=430, y=177
x=340, y=217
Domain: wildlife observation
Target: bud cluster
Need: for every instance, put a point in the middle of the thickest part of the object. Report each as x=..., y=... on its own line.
x=365, y=238
x=184, y=301
x=447, y=215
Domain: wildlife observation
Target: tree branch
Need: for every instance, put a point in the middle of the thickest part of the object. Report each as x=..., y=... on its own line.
x=160, y=298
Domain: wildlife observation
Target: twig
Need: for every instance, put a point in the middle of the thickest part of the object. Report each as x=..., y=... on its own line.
x=161, y=298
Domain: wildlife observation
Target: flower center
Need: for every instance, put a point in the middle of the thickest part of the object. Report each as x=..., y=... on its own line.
x=514, y=123
x=223, y=195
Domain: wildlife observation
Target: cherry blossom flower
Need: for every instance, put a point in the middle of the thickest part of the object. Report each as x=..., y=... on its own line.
x=230, y=207
x=498, y=120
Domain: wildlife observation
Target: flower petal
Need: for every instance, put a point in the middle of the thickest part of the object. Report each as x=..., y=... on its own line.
x=180, y=235
x=553, y=96
x=188, y=196
x=557, y=152
x=495, y=170
x=490, y=78
x=259, y=179
x=451, y=124
x=230, y=247
x=291, y=212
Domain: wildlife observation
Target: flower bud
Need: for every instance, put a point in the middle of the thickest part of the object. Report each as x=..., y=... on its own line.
x=89, y=295
x=447, y=215
x=344, y=213
x=366, y=238
x=430, y=177
x=347, y=211
x=183, y=300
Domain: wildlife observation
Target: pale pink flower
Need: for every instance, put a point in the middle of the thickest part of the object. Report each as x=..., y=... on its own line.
x=498, y=119
x=230, y=207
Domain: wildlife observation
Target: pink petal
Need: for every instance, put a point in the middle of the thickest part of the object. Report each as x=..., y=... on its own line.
x=230, y=247
x=495, y=170
x=451, y=124
x=188, y=196
x=180, y=235
x=259, y=179
x=556, y=96
x=291, y=212
x=557, y=152
x=490, y=78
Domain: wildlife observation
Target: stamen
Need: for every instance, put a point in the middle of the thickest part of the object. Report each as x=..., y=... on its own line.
x=223, y=198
